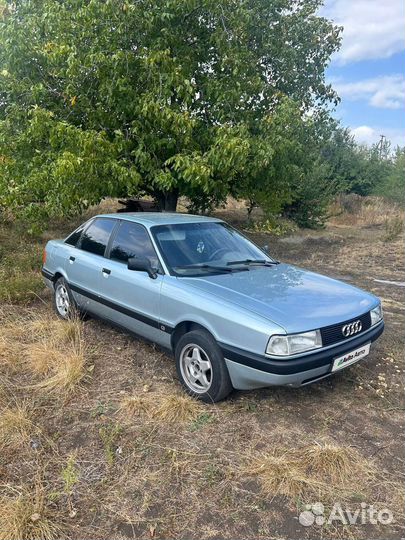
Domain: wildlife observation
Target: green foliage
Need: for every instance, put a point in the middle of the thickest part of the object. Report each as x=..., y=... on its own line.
x=343, y=158
x=20, y=259
x=364, y=170
x=273, y=225
x=113, y=98
x=21, y=287
x=70, y=475
x=201, y=421
x=342, y=166
x=312, y=195
x=109, y=434
x=212, y=474
x=392, y=186
x=373, y=170
x=274, y=159
x=297, y=180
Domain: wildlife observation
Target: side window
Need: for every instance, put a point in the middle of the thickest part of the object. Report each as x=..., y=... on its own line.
x=95, y=238
x=73, y=238
x=133, y=240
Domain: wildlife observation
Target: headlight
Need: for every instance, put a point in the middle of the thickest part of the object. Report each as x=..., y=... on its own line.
x=376, y=315
x=295, y=343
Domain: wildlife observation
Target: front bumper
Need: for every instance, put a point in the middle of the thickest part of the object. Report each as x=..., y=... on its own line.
x=249, y=371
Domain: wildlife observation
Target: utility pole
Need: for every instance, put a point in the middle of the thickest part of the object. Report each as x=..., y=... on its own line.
x=380, y=145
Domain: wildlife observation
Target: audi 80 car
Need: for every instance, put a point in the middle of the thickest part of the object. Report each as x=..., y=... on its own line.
x=232, y=315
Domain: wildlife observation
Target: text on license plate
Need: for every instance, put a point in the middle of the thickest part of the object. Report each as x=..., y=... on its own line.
x=351, y=357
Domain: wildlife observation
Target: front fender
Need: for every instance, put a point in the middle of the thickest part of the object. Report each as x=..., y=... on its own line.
x=229, y=324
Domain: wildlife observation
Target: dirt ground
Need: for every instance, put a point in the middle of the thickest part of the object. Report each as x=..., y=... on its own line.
x=123, y=456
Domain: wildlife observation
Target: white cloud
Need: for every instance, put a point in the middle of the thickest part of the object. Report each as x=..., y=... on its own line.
x=372, y=28
x=370, y=135
x=365, y=134
x=385, y=92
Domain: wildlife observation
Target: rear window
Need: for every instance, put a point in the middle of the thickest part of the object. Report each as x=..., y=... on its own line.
x=95, y=237
x=73, y=238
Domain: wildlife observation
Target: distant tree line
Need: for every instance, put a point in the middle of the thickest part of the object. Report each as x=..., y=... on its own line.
x=197, y=98
x=344, y=166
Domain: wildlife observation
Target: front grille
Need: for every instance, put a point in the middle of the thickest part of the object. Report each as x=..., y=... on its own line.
x=333, y=334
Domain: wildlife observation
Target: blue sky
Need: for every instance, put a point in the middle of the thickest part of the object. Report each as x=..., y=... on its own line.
x=368, y=71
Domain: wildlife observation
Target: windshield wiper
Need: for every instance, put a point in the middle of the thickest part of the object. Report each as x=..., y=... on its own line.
x=262, y=262
x=223, y=269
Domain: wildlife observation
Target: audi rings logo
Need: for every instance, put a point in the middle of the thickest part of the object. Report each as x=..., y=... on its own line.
x=352, y=328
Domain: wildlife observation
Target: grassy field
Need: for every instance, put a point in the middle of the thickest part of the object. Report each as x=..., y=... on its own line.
x=97, y=440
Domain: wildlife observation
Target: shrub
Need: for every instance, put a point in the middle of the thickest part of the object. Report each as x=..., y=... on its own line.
x=393, y=228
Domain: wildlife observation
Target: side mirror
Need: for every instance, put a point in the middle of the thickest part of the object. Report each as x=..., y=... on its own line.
x=265, y=248
x=142, y=264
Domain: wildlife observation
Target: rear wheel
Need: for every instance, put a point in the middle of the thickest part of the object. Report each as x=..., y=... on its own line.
x=63, y=301
x=201, y=367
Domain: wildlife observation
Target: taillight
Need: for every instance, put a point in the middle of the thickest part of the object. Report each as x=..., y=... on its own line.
x=44, y=257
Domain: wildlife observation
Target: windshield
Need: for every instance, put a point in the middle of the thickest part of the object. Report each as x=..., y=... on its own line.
x=195, y=248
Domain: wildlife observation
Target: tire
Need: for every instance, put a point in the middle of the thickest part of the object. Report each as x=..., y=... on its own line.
x=63, y=301
x=201, y=367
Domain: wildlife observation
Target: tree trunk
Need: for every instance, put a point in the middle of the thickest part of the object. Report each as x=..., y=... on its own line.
x=250, y=207
x=168, y=200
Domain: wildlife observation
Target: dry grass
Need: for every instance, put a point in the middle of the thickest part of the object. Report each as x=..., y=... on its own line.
x=43, y=356
x=168, y=408
x=393, y=227
x=21, y=286
x=138, y=405
x=177, y=408
x=281, y=475
x=67, y=374
x=337, y=464
x=29, y=325
x=11, y=340
x=3, y=396
x=16, y=426
x=45, y=345
x=324, y=470
x=14, y=329
x=26, y=515
x=58, y=351
x=354, y=209
x=10, y=354
x=50, y=327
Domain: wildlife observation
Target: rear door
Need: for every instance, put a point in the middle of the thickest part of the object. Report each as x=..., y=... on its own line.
x=133, y=298
x=85, y=263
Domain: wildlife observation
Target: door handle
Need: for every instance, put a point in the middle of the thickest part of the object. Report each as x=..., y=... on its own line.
x=72, y=259
x=106, y=271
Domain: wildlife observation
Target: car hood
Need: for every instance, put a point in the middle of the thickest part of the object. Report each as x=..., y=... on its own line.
x=296, y=299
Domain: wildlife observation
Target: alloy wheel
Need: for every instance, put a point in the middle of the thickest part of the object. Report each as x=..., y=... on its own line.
x=196, y=368
x=62, y=300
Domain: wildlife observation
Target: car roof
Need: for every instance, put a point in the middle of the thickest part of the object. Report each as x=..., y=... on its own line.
x=160, y=218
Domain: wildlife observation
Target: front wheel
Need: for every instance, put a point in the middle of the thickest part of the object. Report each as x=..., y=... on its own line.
x=201, y=367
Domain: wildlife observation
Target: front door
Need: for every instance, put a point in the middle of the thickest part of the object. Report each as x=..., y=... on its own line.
x=132, y=297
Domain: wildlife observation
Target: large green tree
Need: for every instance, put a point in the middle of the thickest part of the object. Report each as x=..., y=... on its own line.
x=165, y=97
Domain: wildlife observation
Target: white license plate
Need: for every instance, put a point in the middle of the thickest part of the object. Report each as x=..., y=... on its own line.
x=351, y=357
